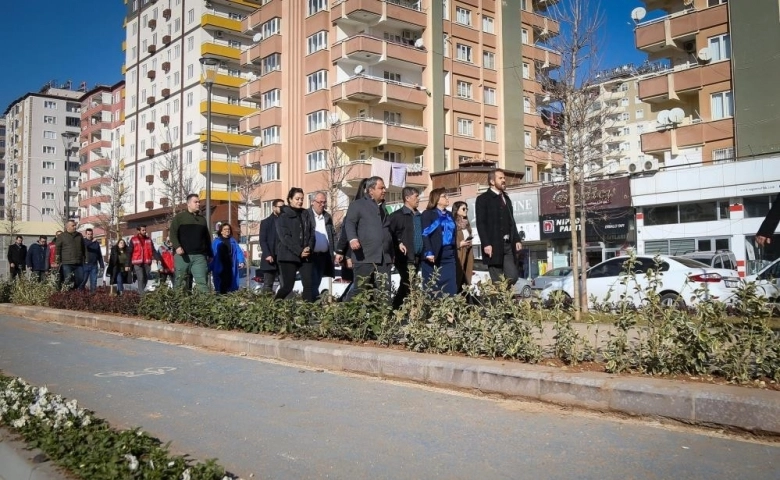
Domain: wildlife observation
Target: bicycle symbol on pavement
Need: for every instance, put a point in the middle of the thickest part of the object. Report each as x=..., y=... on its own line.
x=145, y=371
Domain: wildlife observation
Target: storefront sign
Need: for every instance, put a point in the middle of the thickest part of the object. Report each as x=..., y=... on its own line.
x=604, y=225
x=525, y=207
x=596, y=195
x=758, y=189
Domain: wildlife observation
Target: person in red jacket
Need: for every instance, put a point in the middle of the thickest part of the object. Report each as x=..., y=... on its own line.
x=52, y=258
x=140, y=253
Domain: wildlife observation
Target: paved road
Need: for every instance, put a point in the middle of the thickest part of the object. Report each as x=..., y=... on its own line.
x=280, y=421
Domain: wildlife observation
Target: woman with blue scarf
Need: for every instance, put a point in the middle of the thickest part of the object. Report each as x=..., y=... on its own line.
x=228, y=260
x=439, y=249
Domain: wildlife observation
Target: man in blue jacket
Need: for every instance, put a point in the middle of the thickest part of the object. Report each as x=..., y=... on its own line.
x=38, y=259
x=94, y=260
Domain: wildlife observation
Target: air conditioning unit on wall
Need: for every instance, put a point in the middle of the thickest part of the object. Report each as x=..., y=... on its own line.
x=634, y=167
x=650, y=165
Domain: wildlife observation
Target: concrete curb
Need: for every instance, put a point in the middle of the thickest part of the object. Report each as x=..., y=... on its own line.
x=696, y=403
x=19, y=463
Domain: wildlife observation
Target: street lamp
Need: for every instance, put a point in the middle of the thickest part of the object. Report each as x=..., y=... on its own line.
x=67, y=141
x=208, y=67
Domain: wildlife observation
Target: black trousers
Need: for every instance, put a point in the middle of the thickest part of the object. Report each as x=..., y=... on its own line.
x=16, y=271
x=268, y=281
x=287, y=271
x=509, y=267
x=404, y=267
x=368, y=275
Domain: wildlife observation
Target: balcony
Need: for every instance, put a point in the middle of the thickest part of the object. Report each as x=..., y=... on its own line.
x=363, y=88
x=542, y=5
x=222, y=194
x=220, y=22
x=94, y=200
x=228, y=138
x=254, y=20
x=664, y=33
x=540, y=54
x=376, y=131
x=166, y=39
x=221, y=167
x=263, y=156
x=543, y=27
x=94, y=182
x=690, y=78
x=372, y=12
x=166, y=14
x=370, y=49
x=151, y=49
x=166, y=66
x=221, y=51
x=101, y=166
x=260, y=50
x=692, y=134
x=228, y=81
x=260, y=119
x=227, y=110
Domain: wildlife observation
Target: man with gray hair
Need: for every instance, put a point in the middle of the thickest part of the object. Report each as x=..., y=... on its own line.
x=367, y=226
x=406, y=230
x=320, y=262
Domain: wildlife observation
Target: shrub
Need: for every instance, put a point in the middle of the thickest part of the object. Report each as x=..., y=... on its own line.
x=99, y=302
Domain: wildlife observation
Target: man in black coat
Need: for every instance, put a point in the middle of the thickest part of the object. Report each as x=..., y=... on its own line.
x=498, y=233
x=406, y=230
x=17, y=257
x=768, y=227
x=268, y=247
x=38, y=259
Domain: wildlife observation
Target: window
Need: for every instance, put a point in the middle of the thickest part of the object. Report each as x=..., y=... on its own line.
x=190, y=44
x=392, y=76
x=640, y=128
x=756, y=207
x=489, y=60
x=271, y=27
x=526, y=71
x=190, y=71
x=464, y=89
x=722, y=106
x=49, y=165
x=392, y=118
x=317, y=81
x=524, y=36
x=720, y=47
x=316, y=160
x=50, y=104
x=47, y=195
x=270, y=172
x=50, y=150
x=529, y=174
x=317, y=42
x=49, y=119
x=317, y=6
x=447, y=82
x=176, y=105
x=49, y=134
x=176, y=51
x=190, y=99
x=465, y=127
x=462, y=16
x=234, y=43
x=446, y=11
x=270, y=63
x=177, y=25
x=464, y=53
x=714, y=3
x=190, y=16
x=624, y=102
x=394, y=157
x=47, y=211
x=271, y=135
x=698, y=212
x=271, y=98
x=490, y=132
x=626, y=130
x=489, y=96
x=317, y=121
x=526, y=105
x=640, y=113
x=73, y=121
x=527, y=138
x=487, y=24
x=188, y=157
x=47, y=180
x=188, y=130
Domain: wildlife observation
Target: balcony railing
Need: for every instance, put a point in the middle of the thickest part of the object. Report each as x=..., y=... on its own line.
x=410, y=4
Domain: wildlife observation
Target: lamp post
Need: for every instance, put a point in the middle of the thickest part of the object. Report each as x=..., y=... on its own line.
x=67, y=141
x=209, y=70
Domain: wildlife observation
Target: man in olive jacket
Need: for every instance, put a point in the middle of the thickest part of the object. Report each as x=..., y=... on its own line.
x=191, y=240
x=70, y=255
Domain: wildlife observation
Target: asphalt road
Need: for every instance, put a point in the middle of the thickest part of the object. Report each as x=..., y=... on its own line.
x=282, y=422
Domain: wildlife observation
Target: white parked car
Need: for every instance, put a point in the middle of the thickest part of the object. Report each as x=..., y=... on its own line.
x=767, y=281
x=680, y=278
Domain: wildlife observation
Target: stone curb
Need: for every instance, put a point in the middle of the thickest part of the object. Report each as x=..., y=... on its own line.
x=696, y=403
x=19, y=463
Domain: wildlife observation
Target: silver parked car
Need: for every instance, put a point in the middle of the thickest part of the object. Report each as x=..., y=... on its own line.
x=540, y=282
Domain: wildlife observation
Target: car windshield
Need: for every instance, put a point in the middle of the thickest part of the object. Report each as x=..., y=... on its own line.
x=690, y=262
x=704, y=260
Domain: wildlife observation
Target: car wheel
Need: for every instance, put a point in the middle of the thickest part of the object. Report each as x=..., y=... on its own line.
x=672, y=300
x=526, y=292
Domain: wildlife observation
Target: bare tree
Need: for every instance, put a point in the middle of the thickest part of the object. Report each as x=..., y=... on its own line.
x=337, y=170
x=112, y=212
x=11, y=224
x=579, y=116
x=251, y=189
x=177, y=181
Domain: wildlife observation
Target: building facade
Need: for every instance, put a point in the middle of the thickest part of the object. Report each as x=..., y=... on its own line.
x=2, y=167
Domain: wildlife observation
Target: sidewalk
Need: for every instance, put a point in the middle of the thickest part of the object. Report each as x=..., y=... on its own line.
x=695, y=403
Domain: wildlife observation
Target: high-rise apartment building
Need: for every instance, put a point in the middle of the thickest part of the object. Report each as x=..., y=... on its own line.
x=101, y=154
x=166, y=103
x=36, y=179
x=406, y=89
x=2, y=167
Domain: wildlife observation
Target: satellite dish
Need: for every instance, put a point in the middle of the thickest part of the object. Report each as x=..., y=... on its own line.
x=257, y=37
x=676, y=115
x=705, y=55
x=252, y=76
x=419, y=43
x=334, y=118
x=257, y=141
x=359, y=69
x=638, y=14
x=663, y=117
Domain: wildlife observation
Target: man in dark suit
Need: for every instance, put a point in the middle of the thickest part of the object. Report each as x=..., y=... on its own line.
x=367, y=226
x=406, y=230
x=268, y=247
x=498, y=233
x=17, y=257
x=768, y=227
x=321, y=259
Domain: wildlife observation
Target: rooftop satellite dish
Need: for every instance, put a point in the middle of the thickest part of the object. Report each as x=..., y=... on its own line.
x=419, y=43
x=663, y=117
x=257, y=141
x=676, y=115
x=638, y=14
x=705, y=55
x=359, y=69
x=257, y=37
x=334, y=118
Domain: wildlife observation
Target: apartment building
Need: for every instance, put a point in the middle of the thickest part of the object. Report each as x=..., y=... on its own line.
x=2, y=167
x=36, y=175
x=101, y=155
x=418, y=92
x=166, y=105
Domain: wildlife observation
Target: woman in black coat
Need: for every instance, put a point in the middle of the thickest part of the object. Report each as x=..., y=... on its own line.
x=118, y=268
x=294, y=243
x=439, y=249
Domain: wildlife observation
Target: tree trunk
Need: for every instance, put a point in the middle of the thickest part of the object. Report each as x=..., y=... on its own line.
x=583, y=247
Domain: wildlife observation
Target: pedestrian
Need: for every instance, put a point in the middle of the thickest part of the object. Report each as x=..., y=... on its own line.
x=228, y=260
x=38, y=259
x=498, y=233
x=464, y=269
x=406, y=230
x=17, y=257
x=70, y=255
x=439, y=248
x=294, y=243
x=344, y=253
x=142, y=253
x=94, y=262
x=368, y=231
x=55, y=269
x=769, y=225
x=320, y=262
x=119, y=270
x=191, y=240
x=166, y=264
x=268, y=265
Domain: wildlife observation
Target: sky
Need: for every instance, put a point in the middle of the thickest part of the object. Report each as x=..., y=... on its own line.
x=80, y=40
